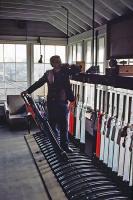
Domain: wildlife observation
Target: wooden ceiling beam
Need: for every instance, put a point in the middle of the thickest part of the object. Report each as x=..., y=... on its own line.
x=77, y=14
x=59, y=22
x=111, y=6
x=28, y=7
x=128, y=4
x=75, y=20
x=63, y=18
x=21, y=14
x=60, y=27
x=98, y=9
x=85, y=11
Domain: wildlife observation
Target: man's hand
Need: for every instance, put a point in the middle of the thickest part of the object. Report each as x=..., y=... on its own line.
x=24, y=93
x=72, y=104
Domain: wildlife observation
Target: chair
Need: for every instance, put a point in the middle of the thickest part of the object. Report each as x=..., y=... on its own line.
x=15, y=111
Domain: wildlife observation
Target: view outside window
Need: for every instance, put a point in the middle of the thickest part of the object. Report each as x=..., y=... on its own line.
x=70, y=54
x=101, y=54
x=88, y=55
x=127, y=61
x=13, y=69
x=47, y=51
x=79, y=52
x=74, y=54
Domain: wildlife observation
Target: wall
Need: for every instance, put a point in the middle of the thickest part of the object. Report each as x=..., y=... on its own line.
x=29, y=28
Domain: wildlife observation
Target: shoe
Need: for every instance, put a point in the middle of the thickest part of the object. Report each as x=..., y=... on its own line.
x=68, y=150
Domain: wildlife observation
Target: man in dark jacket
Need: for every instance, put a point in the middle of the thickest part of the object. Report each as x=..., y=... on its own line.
x=59, y=93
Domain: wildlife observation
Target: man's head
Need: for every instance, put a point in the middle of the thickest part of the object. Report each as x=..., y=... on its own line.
x=55, y=61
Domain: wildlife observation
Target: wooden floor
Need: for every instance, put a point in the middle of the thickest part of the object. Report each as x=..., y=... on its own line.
x=19, y=178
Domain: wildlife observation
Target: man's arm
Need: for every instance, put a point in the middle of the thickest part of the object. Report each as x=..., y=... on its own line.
x=37, y=84
x=75, y=69
x=71, y=69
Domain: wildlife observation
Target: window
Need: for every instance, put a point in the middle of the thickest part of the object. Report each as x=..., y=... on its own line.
x=88, y=59
x=70, y=54
x=13, y=69
x=47, y=51
x=79, y=52
x=128, y=61
x=61, y=51
x=101, y=54
x=74, y=53
x=40, y=68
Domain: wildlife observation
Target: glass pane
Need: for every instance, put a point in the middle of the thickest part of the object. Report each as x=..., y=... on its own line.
x=48, y=67
x=2, y=95
x=101, y=50
x=70, y=55
x=20, y=86
x=88, y=53
x=87, y=66
x=9, y=84
x=21, y=53
x=38, y=71
x=17, y=86
x=37, y=51
x=1, y=72
x=101, y=67
x=1, y=52
x=21, y=72
x=120, y=61
x=49, y=51
x=61, y=51
x=9, y=71
x=11, y=91
x=2, y=84
x=74, y=53
x=79, y=52
x=9, y=52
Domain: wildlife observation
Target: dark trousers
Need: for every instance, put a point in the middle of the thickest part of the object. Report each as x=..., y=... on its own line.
x=58, y=119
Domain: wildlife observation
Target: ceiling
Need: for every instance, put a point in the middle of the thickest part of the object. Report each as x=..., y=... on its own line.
x=54, y=12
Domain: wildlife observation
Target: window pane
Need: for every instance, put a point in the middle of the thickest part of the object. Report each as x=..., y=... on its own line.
x=87, y=66
x=20, y=86
x=38, y=71
x=1, y=71
x=74, y=53
x=21, y=72
x=48, y=67
x=2, y=84
x=101, y=68
x=49, y=51
x=9, y=52
x=119, y=61
x=1, y=52
x=88, y=53
x=11, y=91
x=2, y=95
x=20, y=53
x=101, y=50
x=61, y=51
x=9, y=84
x=79, y=52
x=37, y=51
x=70, y=55
x=10, y=72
